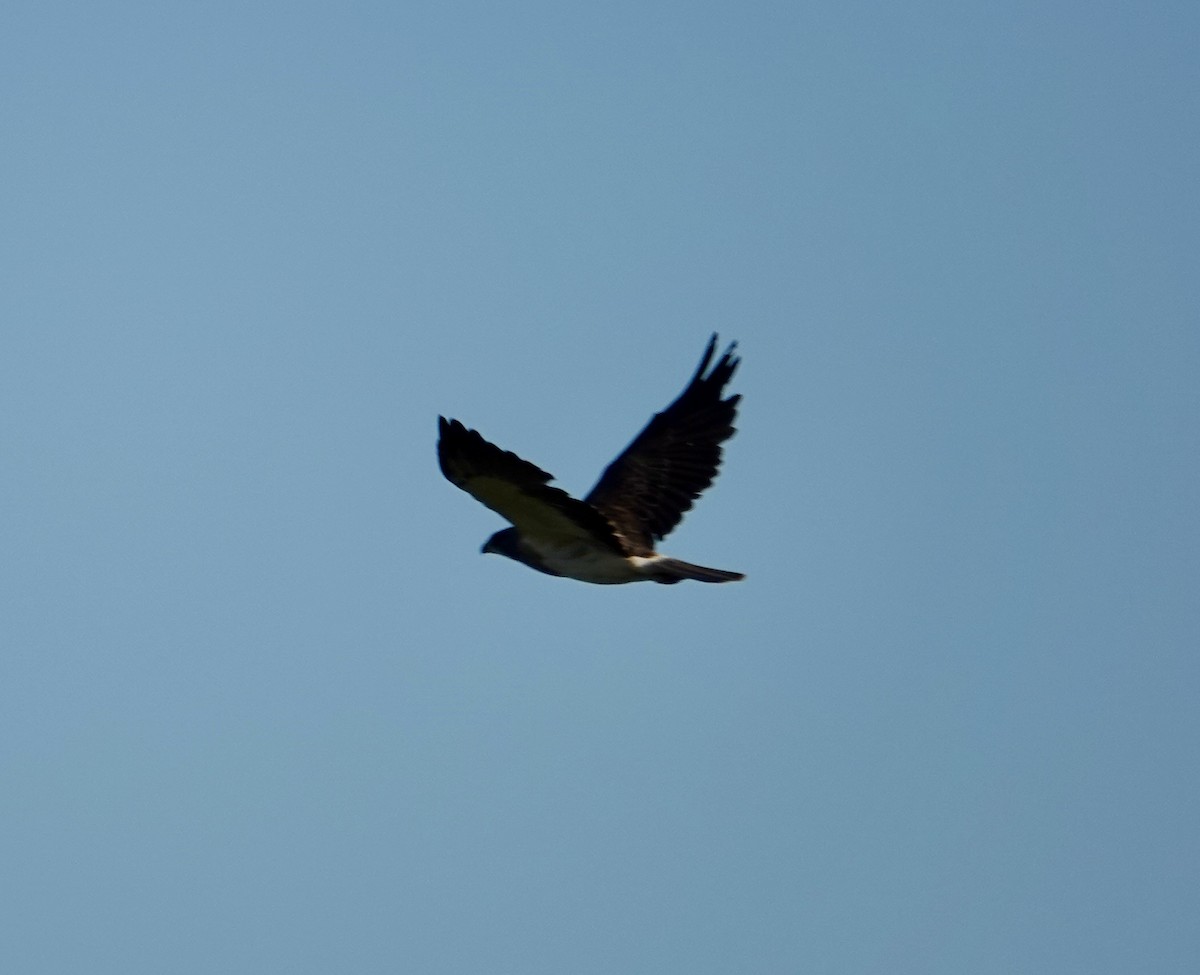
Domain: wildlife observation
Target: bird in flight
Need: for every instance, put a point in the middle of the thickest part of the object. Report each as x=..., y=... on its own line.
x=609, y=536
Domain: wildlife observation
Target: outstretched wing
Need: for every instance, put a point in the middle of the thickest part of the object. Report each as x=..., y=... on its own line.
x=517, y=490
x=645, y=491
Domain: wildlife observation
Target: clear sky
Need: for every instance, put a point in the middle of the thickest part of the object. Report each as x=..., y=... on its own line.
x=265, y=708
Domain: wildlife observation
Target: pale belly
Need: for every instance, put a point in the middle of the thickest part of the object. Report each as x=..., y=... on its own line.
x=589, y=564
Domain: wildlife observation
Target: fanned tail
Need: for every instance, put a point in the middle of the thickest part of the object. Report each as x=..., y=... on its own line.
x=670, y=571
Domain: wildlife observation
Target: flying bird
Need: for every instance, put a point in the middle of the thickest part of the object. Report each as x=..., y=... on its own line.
x=609, y=536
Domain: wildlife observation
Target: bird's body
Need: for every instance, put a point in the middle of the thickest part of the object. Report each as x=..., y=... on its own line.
x=583, y=560
x=607, y=538
x=574, y=558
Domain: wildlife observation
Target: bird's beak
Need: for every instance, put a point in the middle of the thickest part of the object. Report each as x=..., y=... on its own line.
x=487, y=547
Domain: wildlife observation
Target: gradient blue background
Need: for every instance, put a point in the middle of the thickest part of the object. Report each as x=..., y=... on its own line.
x=263, y=706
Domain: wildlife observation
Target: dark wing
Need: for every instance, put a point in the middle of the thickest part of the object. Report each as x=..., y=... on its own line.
x=517, y=490
x=646, y=490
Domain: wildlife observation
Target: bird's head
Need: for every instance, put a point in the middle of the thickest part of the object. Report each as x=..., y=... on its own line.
x=504, y=542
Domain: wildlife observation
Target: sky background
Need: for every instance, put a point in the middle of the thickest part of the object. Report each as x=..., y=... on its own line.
x=265, y=708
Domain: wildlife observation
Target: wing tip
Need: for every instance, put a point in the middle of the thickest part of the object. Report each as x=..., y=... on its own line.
x=728, y=357
x=722, y=371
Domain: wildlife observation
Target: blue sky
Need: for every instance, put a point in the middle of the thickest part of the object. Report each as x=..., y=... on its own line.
x=265, y=708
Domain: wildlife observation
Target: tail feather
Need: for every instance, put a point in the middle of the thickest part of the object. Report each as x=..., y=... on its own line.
x=670, y=571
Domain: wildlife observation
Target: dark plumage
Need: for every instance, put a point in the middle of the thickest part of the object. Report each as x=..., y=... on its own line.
x=642, y=495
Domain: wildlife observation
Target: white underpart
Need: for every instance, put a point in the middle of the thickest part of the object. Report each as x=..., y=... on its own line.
x=588, y=563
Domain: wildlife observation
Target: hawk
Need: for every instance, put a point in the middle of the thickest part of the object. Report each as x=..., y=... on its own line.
x=609, y=536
